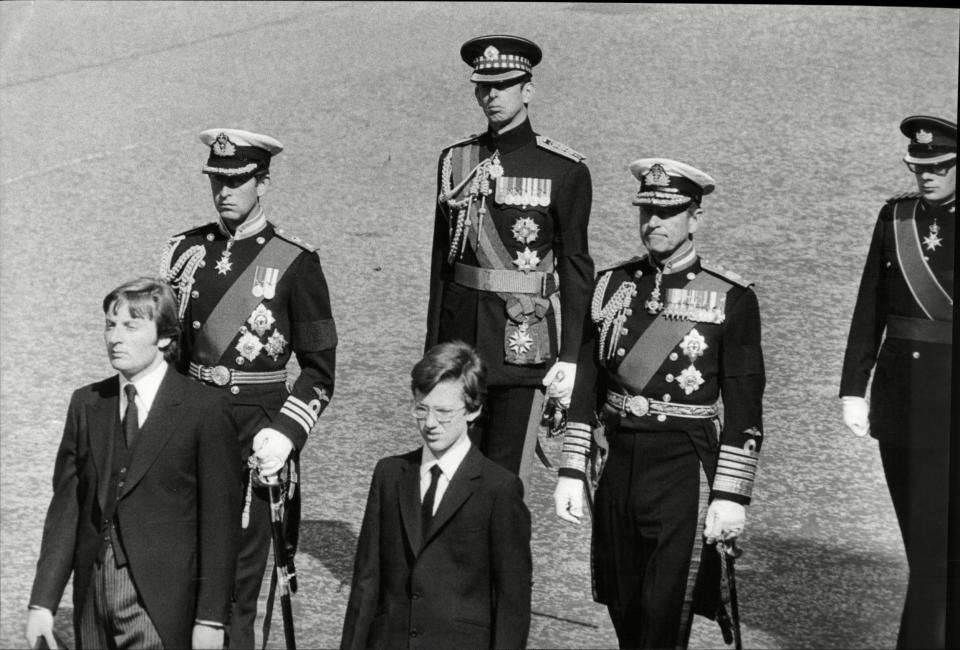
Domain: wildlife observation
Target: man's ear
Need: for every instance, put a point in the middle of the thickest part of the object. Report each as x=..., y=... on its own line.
x=693, y=220
x=527, y=92
x=474, y=415
x=263, y=184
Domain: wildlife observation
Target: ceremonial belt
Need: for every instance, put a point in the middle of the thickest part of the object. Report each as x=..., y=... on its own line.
x=639, y=406
x=223, y=376
x=929, y=294
x=236, y=305
x=505, y=280
x=919, y=329
x=651, y=349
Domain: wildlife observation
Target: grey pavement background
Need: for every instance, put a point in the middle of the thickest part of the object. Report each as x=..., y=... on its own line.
x=794, y=110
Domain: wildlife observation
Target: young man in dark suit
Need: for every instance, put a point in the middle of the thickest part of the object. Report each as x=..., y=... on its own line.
x=146, y=503
x=443, y=559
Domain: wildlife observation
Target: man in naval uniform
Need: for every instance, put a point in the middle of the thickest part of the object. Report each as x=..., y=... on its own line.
x=907, y=292
x=671, y=337
x=511, y=272
x=250, y=296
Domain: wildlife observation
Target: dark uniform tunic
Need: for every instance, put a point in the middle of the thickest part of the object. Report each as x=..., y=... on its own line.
x=910, y=397
x=540, y=208
x=668, y=452
x=291, y=315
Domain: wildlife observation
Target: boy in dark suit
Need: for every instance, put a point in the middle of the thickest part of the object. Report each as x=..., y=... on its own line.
x=146, y=503
x=443, y=559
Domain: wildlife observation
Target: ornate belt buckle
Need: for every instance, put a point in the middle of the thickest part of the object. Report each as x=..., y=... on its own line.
x=220, y=375
x=636, y=405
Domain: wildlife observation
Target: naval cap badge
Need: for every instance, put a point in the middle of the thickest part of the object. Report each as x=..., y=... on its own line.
x=491, y=53
x=924, y=137
x=657, y=176
x=222, y=146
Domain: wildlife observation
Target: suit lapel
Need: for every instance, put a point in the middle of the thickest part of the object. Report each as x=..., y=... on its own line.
x=461, y=488
x=103, y=423
x=156, y=430
x=408, y=492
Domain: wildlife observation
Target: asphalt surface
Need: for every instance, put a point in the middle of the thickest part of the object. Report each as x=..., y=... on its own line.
x=794, y=110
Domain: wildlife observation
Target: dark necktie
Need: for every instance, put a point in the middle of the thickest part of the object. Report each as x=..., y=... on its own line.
x=426, y=510
x=131, y=417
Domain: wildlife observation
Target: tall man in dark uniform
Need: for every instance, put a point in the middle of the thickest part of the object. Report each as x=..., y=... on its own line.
x=511, y=272
x=251, y=295
x=907, y=291
x=671, y=337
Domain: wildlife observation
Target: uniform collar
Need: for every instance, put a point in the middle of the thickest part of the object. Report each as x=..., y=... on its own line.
x=680, y=260
x=513, y=139
x=247, y=229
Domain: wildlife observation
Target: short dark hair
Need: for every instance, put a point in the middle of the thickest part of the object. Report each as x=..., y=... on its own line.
x=452, y=361
x=153, y=299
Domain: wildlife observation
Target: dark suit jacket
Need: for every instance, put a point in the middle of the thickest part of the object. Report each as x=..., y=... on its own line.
x=467, y=585
x=178, y=512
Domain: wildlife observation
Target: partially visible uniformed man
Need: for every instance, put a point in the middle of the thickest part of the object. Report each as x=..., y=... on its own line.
x=511, y=272
x=671, y=336
x=250, y=296
x=907, y=292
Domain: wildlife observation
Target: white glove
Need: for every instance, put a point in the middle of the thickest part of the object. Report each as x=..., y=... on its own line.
x=725, y=520
x=568, y=499
x=855, y=414
x=559, y=381
x=270, y=450
x=40, y=623
x=205, y=637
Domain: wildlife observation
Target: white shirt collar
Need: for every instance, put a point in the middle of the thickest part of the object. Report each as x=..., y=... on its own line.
x=147, y=388
x=450, y=460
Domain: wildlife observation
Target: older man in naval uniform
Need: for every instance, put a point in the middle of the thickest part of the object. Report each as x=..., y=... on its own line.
x=902, y=330
x=511, y=272
x=671, y=337
x=250, y=297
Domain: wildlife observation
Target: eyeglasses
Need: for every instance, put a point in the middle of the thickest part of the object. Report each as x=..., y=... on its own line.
x=443, y=416
x=940, y=169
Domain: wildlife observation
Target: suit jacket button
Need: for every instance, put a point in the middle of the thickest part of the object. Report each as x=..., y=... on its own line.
x=621, y=352
x=413, y=634
x=234, y=389
x=196, y=324
x=661, y=418
x=916, y=355
x=415, y=595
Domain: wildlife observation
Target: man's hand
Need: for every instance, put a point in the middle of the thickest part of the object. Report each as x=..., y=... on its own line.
x=40, y=623
x=725, y=520
x=855, y=415
x=271, y=450
x=559, y=382
x=568, y=499
x=206, y=637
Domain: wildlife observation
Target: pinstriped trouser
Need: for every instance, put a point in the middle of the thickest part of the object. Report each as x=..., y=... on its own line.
x=113, y=615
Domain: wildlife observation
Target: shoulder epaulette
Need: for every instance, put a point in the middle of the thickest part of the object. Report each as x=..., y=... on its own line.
x=613, y=267
x=460, y=143
x=903, y=196
x=193, y=231
x=729, y=276
x=293, y=239
x=559, y=148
